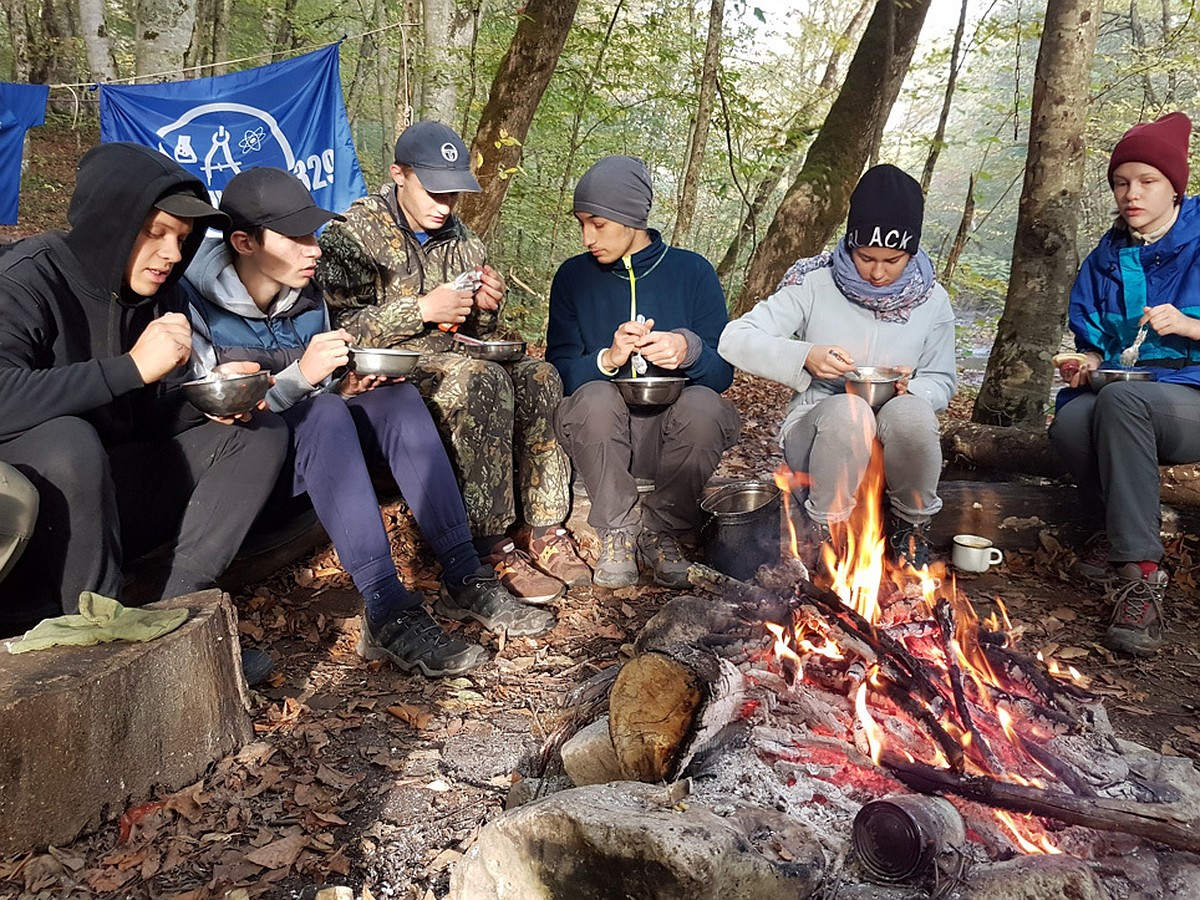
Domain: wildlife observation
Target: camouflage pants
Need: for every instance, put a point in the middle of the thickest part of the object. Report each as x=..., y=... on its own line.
x=498, y=423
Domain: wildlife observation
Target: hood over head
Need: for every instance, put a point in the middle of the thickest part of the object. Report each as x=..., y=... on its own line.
x=117, y=186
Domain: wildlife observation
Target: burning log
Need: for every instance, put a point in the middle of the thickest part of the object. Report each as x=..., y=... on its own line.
x=666, y=705
x=1156, y=822
x=945, y=619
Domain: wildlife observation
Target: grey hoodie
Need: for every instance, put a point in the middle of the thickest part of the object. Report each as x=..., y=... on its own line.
x=213, y=275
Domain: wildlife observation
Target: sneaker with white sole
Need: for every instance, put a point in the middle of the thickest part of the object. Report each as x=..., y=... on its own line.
x=412, y=639
x=481, y=597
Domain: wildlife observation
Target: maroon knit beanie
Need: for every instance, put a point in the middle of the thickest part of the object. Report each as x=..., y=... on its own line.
x=1162, y=143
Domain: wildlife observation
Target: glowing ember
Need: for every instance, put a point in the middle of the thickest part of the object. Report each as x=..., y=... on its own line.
x=941, y=680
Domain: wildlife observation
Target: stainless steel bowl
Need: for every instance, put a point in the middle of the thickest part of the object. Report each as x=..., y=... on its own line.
x=1098, y=378
x=227, y=395
x=875, y=384
x=653, y=390
x=382, y=361
x=496, y=351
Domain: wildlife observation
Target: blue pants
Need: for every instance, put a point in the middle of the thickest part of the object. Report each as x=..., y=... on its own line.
x=335, y=442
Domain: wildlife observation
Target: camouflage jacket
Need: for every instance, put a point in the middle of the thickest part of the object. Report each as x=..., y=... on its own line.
x=373, y=271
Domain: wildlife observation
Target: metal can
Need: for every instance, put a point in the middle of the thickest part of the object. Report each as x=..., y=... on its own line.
x=899, y=837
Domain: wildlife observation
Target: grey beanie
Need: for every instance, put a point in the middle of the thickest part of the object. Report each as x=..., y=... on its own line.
x=616, y=188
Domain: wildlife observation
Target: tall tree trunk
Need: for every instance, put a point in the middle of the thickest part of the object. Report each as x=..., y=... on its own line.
x=94, y=31
x=162, y=32
x=579, y=105
x=520, y=81
x=1172, y=75
x=960, y=239
x=1044, y=261
x=447, y=32
x=801, y=128
x=939, y=137
x=818, y=198
x=704, y=105
x=16, y=13
x=1138, y=33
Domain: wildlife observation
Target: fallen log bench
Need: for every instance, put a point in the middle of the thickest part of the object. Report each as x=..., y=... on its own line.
x=87, y=730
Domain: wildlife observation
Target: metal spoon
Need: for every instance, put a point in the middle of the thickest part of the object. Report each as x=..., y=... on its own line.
x=638, y=362
x=1129, y=356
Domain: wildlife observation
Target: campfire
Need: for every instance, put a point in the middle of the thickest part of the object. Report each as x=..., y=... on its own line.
x=871, y=707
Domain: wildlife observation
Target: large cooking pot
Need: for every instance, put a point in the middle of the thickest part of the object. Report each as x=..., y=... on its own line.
x=742, y=529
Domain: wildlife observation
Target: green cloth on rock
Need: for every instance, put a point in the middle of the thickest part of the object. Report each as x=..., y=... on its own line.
x=100, y=620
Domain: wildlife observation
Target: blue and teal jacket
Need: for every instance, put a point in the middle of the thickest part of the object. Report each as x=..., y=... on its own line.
x=1120, y=277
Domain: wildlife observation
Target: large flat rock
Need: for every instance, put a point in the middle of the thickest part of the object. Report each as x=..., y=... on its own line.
x=87, y=730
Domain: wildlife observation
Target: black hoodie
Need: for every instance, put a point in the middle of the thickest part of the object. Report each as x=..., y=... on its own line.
x=67, y=321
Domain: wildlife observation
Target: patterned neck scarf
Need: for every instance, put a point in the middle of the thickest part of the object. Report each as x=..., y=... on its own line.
x=891, y=302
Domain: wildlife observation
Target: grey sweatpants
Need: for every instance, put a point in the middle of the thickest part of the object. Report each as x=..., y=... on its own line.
x=1113, y=443
x=833, y=441
x=678, y=447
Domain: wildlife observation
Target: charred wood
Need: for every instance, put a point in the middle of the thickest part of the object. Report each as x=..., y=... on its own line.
x=1161, y=823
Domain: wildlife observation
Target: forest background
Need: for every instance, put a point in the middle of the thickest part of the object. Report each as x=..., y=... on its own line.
x=742, y=110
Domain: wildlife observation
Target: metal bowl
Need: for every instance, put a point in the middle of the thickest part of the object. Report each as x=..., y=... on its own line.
x=496, y=351
x=875, y=384
x=1098, y=378
x=227, y=395
x=650, y=390
x=380, y=361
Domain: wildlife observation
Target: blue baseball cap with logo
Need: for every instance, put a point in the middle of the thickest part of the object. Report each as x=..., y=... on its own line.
x=438, y=156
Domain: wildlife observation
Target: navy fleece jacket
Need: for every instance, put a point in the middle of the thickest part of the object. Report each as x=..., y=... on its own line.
x=676, y=288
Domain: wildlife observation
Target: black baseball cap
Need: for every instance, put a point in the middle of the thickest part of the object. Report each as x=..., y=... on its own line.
x=438, y=156
x=187, y=205
x=274, y=199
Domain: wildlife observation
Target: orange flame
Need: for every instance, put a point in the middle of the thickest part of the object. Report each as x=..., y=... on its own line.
x=1030, y=837
x=870, y=728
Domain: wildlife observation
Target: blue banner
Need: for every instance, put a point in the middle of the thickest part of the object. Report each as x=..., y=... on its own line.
x=288, y=114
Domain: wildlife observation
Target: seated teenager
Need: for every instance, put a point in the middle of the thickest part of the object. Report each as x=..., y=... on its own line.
x=873, y=301
x=1144, y=274
x=631, y=295
x=253, y=298
x=93, y=344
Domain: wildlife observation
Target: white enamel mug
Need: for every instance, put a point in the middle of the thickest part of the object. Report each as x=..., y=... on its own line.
x=973, y=553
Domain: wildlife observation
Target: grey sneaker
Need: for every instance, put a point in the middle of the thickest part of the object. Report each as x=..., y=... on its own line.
x=661, y=552
x=617, y=565
x=482, y=598
x=1136, y=626
x=413, y=640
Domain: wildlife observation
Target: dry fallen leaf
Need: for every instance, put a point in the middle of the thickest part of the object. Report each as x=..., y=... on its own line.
x=279, y=854
x=413, y=715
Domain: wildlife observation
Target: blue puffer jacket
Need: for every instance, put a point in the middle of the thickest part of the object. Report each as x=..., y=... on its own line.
x=1111, y=289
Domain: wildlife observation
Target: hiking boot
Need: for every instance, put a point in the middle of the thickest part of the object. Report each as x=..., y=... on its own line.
x=812, y=536
x=481, y=597
x=519, y=577
x=1136, y=626
x=414, y=640
x=661, y=552
x=557, y=555
x=1092, y=562
x=617, y=565
x=909, y=543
